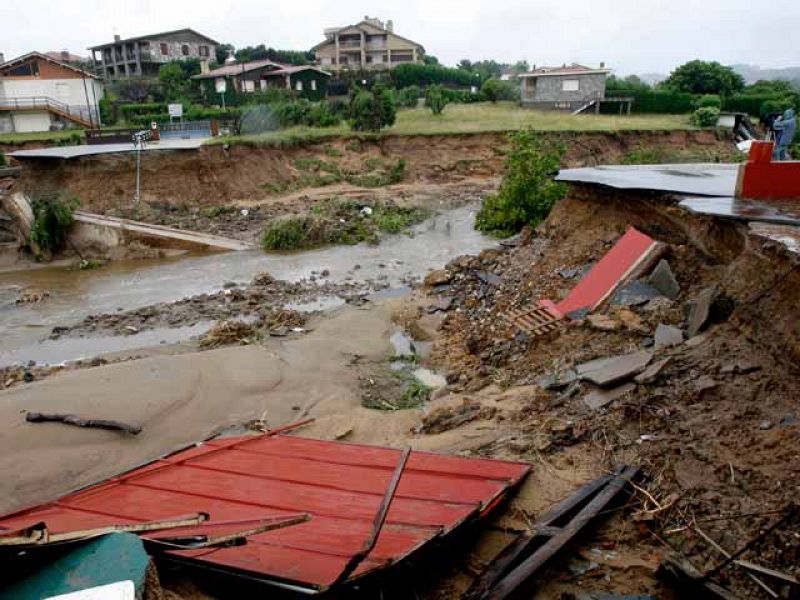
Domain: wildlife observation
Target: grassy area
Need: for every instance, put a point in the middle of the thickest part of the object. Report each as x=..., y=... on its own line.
x=474, y=118
x=67, y=135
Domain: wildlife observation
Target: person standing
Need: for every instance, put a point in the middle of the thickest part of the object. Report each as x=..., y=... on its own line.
x=785, y=128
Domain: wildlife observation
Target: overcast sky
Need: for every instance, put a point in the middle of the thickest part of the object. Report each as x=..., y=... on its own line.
x=630, y=36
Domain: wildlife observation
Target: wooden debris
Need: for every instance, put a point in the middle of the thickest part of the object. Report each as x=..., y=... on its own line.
x=520, y=560
x=35, y=417
x=536, y=321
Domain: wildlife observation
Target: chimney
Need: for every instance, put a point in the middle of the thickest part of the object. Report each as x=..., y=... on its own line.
x=116, y=37
x=64, y=56
x=204, y=66
x=602, y=65
x=390, y=25
x=2, y=58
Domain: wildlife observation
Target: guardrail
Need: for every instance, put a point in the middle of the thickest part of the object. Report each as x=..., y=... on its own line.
x=76, y=112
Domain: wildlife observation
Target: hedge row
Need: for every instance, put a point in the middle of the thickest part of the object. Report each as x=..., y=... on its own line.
x=666, y=102
x=193, y=114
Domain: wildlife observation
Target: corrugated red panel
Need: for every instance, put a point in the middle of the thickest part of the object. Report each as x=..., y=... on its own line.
x=606, y=275
x=341, y=485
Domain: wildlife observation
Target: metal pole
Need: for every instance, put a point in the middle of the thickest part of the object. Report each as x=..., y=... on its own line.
x=88, y=106
x=138, y=166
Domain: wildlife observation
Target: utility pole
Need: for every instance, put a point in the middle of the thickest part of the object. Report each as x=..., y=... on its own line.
x=139, y=138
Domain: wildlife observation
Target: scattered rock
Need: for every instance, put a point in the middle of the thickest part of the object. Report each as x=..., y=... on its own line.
x=764, y=425
x=609, y=371
x=704, y=383
x=603, y=323
x=570, y=273
x=32, y=296
x=599, y=398
x=557, y=381
x=438, y=277
x=667, y=336
x=664, y=281
x=631, y=321
x=488, y=277
x=653, y=372
x=740, y=367
x=699, y=309
x=635, y=293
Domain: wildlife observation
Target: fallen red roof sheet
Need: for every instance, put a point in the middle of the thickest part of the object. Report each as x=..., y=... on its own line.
x=627, y=254
x=340, y=485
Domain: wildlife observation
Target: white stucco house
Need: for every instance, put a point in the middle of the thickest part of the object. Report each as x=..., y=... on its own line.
x=39, y=93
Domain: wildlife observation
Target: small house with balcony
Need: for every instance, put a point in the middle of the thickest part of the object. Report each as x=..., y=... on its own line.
x=368, y=45
x=574, y=88
x=143, y=56
x=39, y=93
x=306, y=81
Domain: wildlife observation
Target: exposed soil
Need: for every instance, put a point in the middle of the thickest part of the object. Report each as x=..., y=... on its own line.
x=243, y=175
x=716, y=431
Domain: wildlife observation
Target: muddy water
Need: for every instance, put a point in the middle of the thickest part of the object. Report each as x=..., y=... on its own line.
x=126, y=285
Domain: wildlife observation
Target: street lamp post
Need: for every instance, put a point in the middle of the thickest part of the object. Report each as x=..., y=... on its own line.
x=139, y=139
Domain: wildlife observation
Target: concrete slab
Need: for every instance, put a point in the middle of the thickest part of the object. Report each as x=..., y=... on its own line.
x=779, y=212
x=694, y=179
x=599, y=398
x=191, y=239
x=610, y=371
x=67, y=152
x=788, y=236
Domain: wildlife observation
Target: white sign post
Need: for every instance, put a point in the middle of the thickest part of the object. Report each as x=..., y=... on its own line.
x=221, y=86
x=175, y=111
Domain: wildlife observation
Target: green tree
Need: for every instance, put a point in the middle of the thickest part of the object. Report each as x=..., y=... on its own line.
x=430, y=60
x=778, y=87
x=629, y=83
x=528, y=191
x=372, y=110
x=491, y=89
x=701, y=77
x=173, y=80
x=222, y=52
x=435, y=99
x=409, y=96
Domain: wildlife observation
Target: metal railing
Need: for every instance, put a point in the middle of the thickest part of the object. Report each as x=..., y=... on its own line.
x=79, y=112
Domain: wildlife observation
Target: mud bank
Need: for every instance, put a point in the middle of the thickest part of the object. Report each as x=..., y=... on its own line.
x=716, y=428
x=240, y=174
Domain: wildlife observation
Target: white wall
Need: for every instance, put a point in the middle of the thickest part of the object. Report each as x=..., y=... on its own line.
x=31, y=121
x=68, y=91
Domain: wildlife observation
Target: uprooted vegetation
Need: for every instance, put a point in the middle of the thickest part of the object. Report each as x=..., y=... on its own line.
x=714, y=423
x=340, y=221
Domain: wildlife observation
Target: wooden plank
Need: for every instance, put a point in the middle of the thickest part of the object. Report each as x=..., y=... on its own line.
x=520, y=574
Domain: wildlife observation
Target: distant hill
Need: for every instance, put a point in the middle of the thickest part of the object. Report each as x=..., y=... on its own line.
x=753, y=73
x=652, y=78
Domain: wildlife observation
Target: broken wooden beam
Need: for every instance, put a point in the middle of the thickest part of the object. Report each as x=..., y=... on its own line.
x=520, y=560
x=35, y=417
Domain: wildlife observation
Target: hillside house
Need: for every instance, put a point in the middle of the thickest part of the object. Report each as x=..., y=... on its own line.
x=260, y=75
x=38, y=93
x=369, y=45
x=570, y=87
x=143, y=56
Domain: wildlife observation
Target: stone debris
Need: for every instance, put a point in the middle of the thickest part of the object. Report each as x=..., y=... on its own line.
x=664, y=280
x=635, y=293
x=558, y=381
x=438, y=277
x=667, y=336
x=599, y=398
x=603, y=323
x=606, y=372
x=653, y=372
x=704, y=383
x=700, y=310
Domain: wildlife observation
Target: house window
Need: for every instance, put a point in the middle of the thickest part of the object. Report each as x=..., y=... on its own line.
x=313, y=85
x=570, y=85
x=164, y=49
x=263, y=85
x=185, y=50
x=203, y=51
x=298, y=85
x=249, y=86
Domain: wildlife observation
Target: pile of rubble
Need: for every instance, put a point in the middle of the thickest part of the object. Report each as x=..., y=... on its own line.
x=664, y=374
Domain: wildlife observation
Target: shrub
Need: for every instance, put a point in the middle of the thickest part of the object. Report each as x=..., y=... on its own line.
x=409, y=96
x=709, y=100
x=292, y=232
x=372, y=111
x=52, y=220
x=3, y=161
x=528, y=190
x=435, y=99
x=423, y=75
x=705, y=117
x=496, y=89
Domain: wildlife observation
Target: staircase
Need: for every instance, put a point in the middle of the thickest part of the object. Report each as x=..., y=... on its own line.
x=80, y=115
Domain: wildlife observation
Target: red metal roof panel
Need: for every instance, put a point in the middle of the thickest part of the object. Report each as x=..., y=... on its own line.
x=340, y=485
